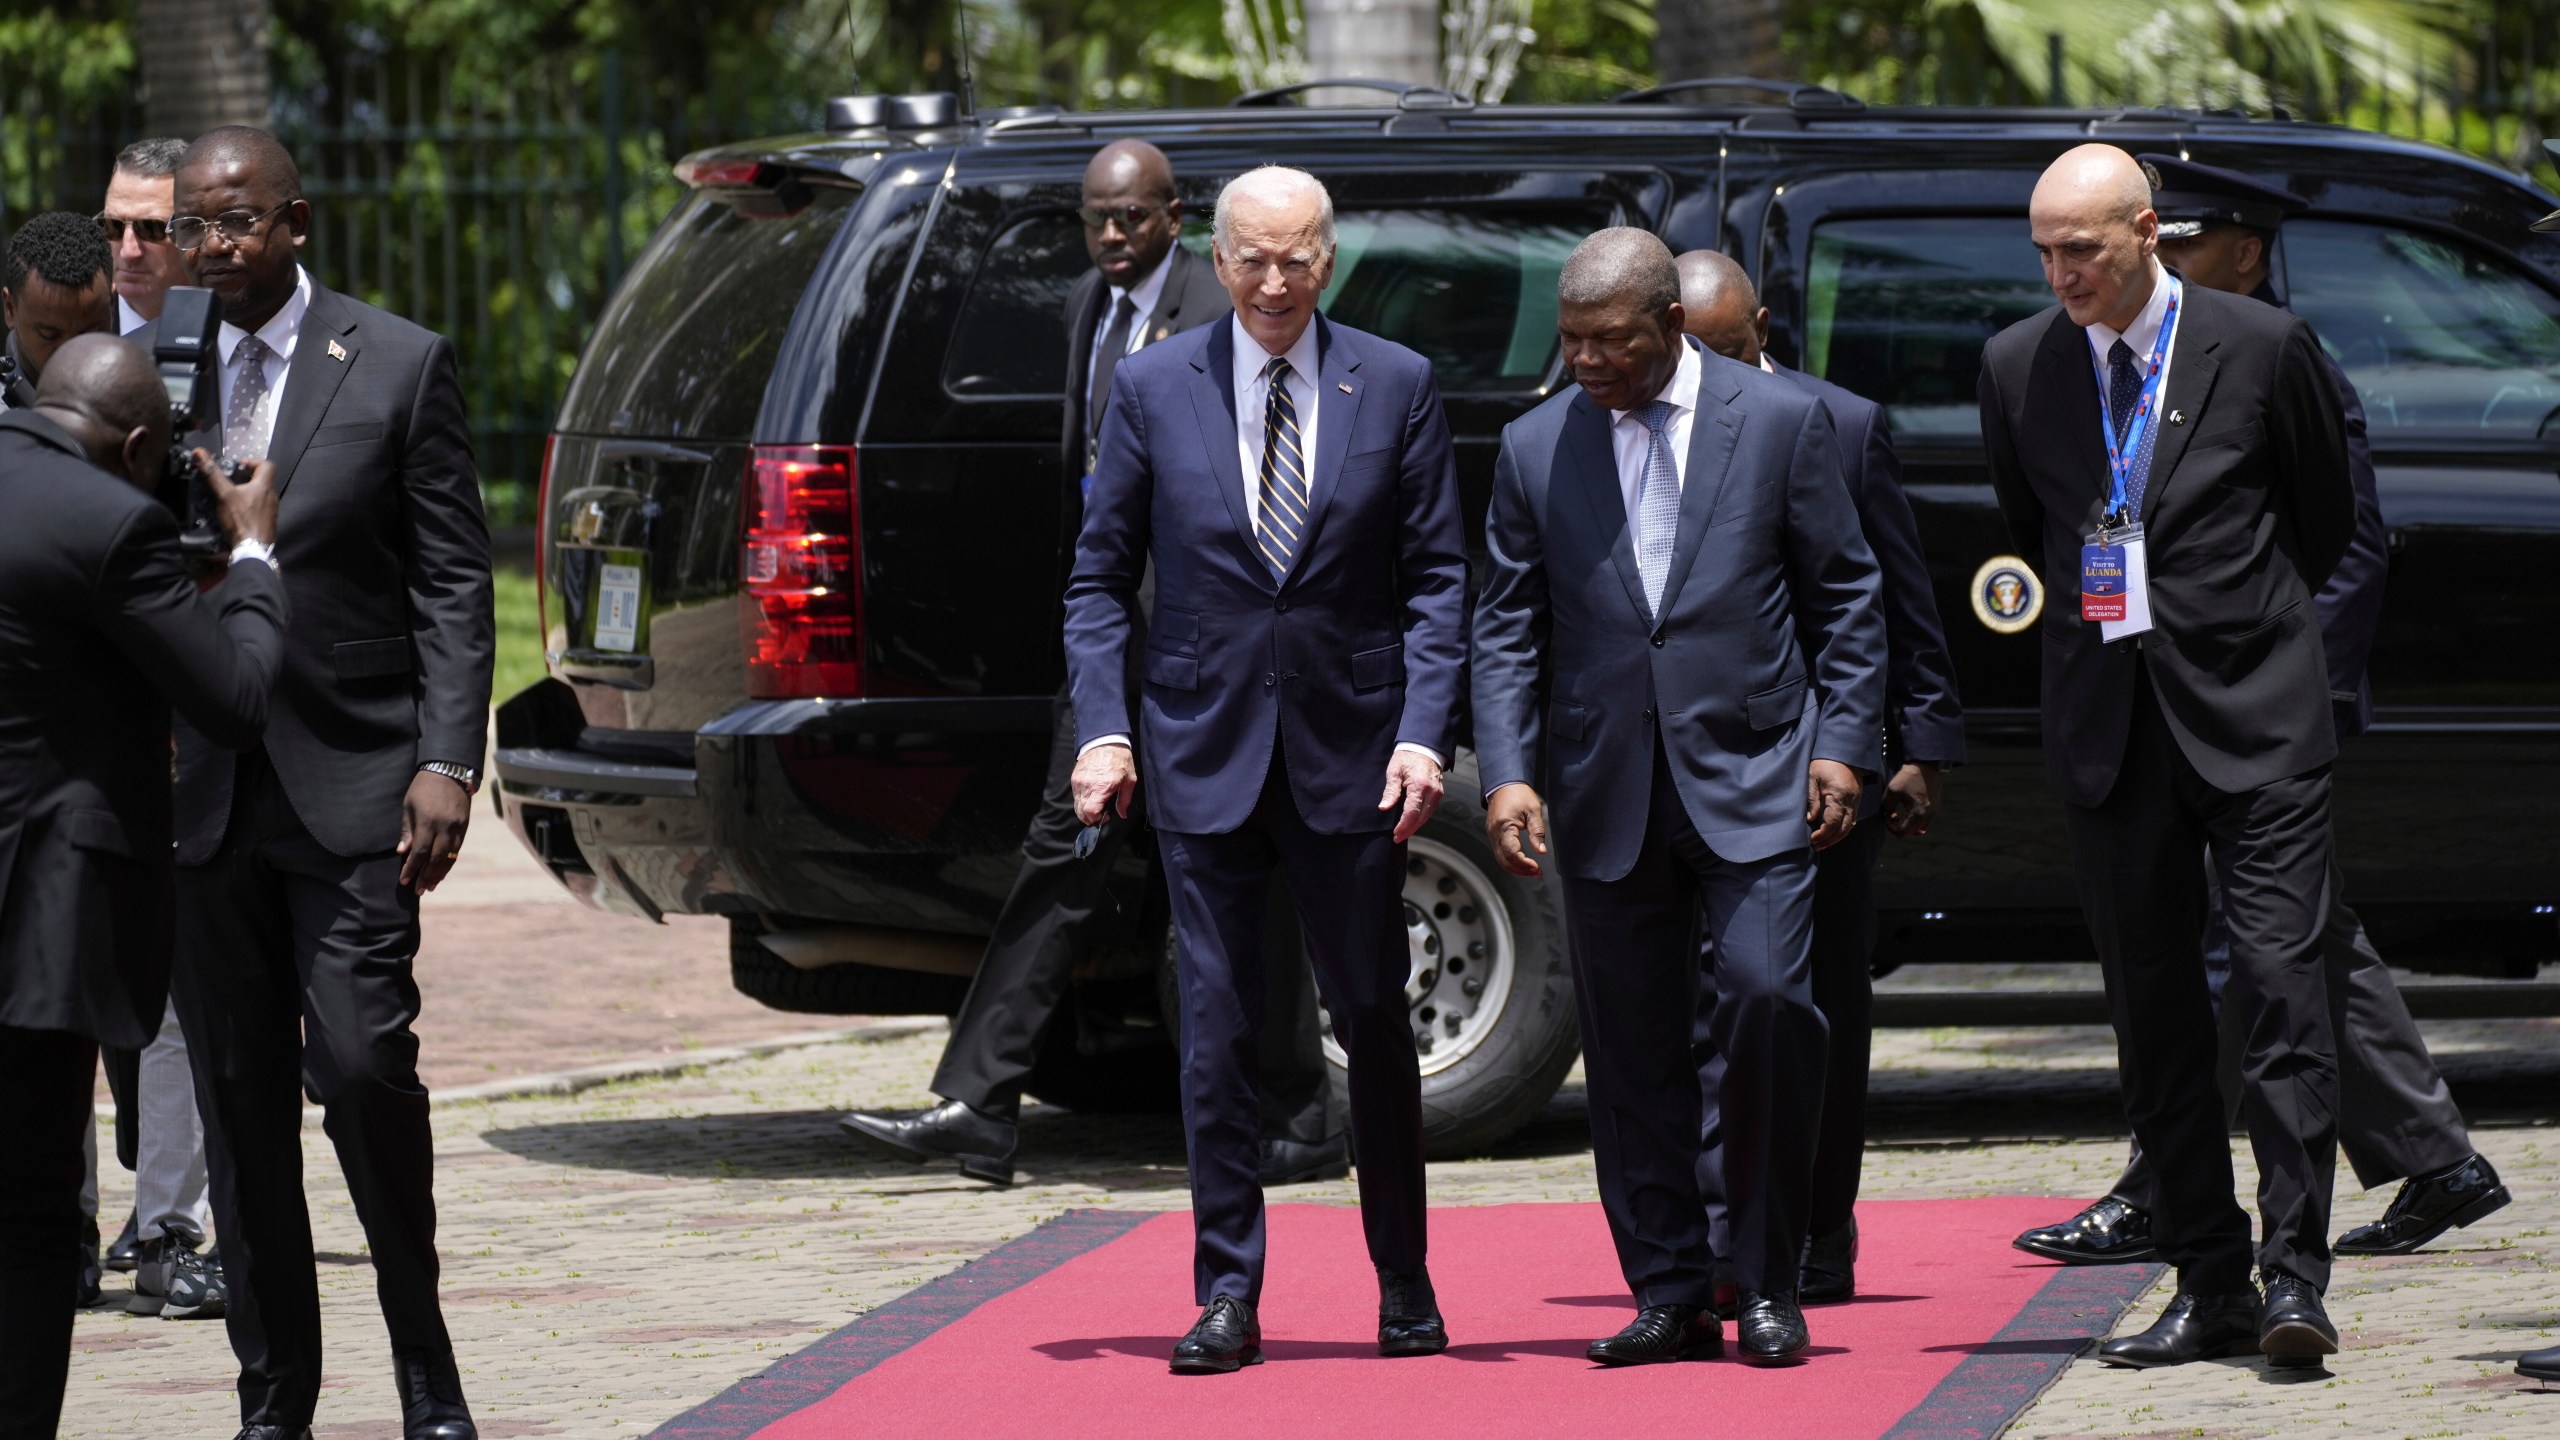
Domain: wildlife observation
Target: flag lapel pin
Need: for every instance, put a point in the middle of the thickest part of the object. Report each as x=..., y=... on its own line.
x=337, y=352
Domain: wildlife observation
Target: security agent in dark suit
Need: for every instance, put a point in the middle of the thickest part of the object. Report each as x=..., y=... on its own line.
x=1679, y=639
x=2210, y=725
x=1924, y=734
x=102, y=633
x=301, y=861
x=1290, y=482
x=1144, y=288
x=2397, y=1119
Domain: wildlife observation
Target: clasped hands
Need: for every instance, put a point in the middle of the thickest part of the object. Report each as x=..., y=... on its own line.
x=1106, y=780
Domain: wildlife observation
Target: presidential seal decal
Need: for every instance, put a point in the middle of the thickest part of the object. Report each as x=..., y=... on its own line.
x=2007, y=597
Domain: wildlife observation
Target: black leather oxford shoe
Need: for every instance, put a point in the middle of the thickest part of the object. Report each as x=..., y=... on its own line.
x=1830, y=1271
x=2107, y=1233
x=273, y=1432
x=431, y=1404
x=982, y=1143
x=2543, y=1365
x=2427, y=1206
x=1224, y=1338
x=2193, y=1327
x=1409, y=1320
x=2293, y=1330
x=1770, y=1329
x=1660, y=1333
x=1293, y=1162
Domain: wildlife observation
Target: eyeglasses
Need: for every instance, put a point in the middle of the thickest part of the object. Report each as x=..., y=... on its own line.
x=1129, y=217
x=149, y=232
x=192, y=231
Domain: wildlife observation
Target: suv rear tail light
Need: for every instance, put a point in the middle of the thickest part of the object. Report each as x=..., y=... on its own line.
x=800, y=573
x=706, y=173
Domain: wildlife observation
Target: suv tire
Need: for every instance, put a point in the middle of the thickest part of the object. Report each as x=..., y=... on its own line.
x=767, y=978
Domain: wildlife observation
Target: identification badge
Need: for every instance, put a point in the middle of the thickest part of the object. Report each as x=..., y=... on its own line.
x=618, y=607
x=2115, y=583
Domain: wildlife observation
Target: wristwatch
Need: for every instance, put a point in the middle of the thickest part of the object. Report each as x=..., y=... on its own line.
x=462, y=775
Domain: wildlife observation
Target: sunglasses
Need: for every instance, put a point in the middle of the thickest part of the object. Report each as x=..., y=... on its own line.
x=149, y=232
x=1128, y=217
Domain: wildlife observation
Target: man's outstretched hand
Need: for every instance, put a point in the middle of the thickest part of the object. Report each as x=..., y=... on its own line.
x=1415, y=778
x=1515, y=820
x=1105, y=781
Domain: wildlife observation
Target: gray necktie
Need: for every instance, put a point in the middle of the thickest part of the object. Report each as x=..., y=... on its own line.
x=244, y=432
x=1657, y=504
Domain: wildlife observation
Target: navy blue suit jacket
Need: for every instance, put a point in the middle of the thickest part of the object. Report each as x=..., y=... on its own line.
x=1357, y=650
x=1922, y=714
x=1770, y=655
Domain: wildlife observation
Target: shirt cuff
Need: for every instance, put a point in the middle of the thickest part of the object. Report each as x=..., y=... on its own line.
x=258, y=550
x=1100, y=740
x=1426, y=752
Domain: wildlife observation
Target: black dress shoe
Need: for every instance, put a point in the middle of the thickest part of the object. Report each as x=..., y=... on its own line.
x=1409, y=1320
x=2543, y=1365
x=1661, y=1333
x=431, y=1404
x=274, y=1432
x=1830, y=1271
x=951, y=1130
x=1292, y=1162
x=2193, y=1327
x=2293, y=1331
x=126, y=1253
x=2428, y=1206
x=2107, y=1233
x=1770, y=1330
x=1225, y=1337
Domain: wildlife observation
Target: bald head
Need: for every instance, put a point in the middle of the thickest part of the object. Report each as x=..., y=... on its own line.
x=2094, y=229
x=1129, y=167
x=246, y=151
x=1131, y=214
x=1721, y=307
x=105, y=392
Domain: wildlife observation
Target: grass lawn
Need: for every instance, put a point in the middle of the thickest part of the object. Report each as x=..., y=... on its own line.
x=519, y=635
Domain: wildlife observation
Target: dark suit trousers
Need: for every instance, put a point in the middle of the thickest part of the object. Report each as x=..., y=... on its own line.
x=2396, y=1118
x=1844, y=943
x=996, y=1037
x=46, y=1078
x=293, y=974
x=1220, y=886
x=1636, y=966
x=2145, y=897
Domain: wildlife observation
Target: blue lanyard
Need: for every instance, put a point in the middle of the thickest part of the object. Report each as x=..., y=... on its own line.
x=2122, y=454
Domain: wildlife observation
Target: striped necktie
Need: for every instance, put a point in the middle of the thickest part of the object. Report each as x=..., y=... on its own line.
x=1283, y=520
x=1657, y=504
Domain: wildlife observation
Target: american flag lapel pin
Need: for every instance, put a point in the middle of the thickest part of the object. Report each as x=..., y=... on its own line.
x=337, y=352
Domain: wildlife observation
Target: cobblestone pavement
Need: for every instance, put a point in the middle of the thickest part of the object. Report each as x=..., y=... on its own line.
x=616, y=1256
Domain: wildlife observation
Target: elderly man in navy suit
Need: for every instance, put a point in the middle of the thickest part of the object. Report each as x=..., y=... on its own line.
x=1291, y=481
x=1679, y=637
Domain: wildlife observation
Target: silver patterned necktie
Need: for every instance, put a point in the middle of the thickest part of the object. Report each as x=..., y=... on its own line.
x=243, y=437
x=1657, y=503
x=1284, y=474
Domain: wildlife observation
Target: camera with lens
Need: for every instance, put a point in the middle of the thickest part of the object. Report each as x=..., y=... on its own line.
x=187, y=352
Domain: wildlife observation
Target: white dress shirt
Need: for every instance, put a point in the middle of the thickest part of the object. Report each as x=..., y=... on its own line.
x=1142, y=298
x=1632, y=442
x=280, y=333
x=1253, y=397
x=128, y=319
x=2141, y=335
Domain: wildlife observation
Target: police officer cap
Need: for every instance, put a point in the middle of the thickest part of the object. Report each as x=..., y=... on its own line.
x=2189, y=197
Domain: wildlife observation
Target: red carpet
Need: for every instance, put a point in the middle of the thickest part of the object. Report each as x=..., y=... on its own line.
x=1064, y=1333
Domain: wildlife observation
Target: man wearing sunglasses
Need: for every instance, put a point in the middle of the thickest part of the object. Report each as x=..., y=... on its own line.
x=1142, y=288
x=301, y=860
x=136, y=219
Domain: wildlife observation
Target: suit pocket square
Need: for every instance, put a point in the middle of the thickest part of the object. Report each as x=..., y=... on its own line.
x=370, y=659
x=1774, y=707
x=1373, y=668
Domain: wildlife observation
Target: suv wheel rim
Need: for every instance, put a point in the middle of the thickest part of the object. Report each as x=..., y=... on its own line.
x=1459, y=939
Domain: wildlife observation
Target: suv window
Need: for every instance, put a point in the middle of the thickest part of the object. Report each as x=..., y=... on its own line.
x=2437, y=335
x=689, y=341
x=1473, y=291
x=1899, y=309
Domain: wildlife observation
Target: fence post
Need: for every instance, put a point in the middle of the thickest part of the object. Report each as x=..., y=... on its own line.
x=2053, y=70
x=612, y=170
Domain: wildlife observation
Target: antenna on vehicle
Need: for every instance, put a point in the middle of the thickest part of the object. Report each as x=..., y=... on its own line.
x=968, y=82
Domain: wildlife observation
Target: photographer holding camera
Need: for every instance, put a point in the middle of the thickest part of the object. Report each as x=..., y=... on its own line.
x=102, y=633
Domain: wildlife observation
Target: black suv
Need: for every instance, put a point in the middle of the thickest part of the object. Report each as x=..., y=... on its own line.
x=804, y=532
